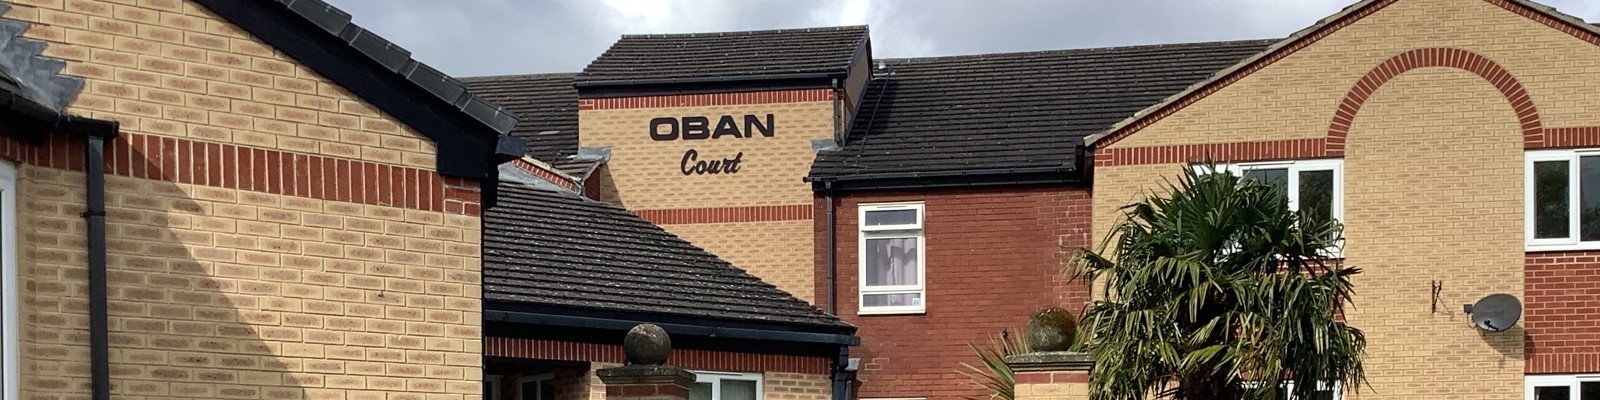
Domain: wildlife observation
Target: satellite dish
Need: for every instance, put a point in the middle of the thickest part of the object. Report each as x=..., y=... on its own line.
x=1495, y=312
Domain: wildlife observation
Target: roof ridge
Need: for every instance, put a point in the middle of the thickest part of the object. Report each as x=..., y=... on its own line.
x=839, y=28
x=515, y=76
x=1076, y=50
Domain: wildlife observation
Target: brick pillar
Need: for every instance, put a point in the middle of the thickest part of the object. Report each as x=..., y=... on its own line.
x=646, y=382
x=1051, y=375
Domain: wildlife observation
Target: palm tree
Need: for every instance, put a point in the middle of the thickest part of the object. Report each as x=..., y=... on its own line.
x=1216, y=289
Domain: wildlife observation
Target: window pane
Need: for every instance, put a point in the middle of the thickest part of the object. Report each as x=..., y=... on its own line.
x=892, y=300
x=1589, y=391
x=892, y=217
x=891, y=261
x=1316, y=194
x=530, y=391
x=1552, y=393
x=733, y=389
x=700, y=391
x=547, y=390
x=1271, y=176
x=1550, y=200
x=1589, y=192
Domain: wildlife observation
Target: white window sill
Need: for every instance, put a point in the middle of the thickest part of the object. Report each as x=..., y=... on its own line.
x=892, y=312
x=1580, y=246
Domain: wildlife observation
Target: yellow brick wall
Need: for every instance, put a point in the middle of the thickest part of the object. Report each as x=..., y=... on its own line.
x=1433, y=175
x=778, y=252
x=221, y=293
x=645, y=172
x=1305, y=88
x=1051, y=391
x=792, y=386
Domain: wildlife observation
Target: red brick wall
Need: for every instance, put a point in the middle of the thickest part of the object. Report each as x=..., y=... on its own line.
x=1562, y=312
x=994, y=255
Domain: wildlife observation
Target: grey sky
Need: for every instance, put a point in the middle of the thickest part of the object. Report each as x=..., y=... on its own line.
x=495, y=37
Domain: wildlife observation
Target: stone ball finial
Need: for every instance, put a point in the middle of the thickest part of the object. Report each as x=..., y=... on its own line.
x=1052, y=329
x=647, y=344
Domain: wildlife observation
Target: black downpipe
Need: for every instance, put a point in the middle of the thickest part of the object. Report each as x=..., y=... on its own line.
x=832, y=248
x=842, y=376
x=96, y=133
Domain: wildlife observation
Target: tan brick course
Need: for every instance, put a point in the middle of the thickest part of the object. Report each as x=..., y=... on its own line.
x=238, y=291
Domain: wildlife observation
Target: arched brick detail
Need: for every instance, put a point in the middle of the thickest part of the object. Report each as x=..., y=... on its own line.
x=1532, y=129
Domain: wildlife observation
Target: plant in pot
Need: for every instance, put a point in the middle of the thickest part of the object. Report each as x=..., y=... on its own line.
x=1049, y=329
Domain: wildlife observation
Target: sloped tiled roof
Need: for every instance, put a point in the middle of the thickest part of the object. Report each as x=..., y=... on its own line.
x=748, y=55
x=1013, y=111
x=555, y=249
x=546, y=107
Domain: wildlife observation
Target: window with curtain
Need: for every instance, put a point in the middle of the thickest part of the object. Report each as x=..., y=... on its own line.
x=1563, y=199
x=891, y=251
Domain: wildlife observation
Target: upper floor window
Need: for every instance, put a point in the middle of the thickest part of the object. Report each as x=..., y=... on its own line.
x=1563, y=199
x=725, y=386
x=892, y=271
x=1315, y=188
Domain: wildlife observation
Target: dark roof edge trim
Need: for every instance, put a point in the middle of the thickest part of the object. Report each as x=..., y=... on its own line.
x=940, y=174
x=570, y=321
x=1002, y=177
x=714, y=79
x=466, y=129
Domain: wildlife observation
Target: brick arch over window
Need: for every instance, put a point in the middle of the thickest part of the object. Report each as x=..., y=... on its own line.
x=1533, y=135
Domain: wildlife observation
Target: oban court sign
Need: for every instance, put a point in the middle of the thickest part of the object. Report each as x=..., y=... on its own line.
x=726, y=127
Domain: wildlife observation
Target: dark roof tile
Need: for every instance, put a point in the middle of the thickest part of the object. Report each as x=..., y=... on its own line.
x=546, y=106
x=749, y=55
x=556, y=249
x=1012, y=111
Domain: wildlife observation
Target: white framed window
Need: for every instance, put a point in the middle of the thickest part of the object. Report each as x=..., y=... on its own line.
x=1562, y=194
x=10, y=376
x=712, y=385
x=1563, y=387
x=536, y=387
x=1315, y=187
x=892, y=274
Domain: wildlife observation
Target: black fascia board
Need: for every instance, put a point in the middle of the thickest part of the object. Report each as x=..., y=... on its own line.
x=597, y=92
x=947, y=179
x=842, y=336
x=580, y=83
x=466, y=135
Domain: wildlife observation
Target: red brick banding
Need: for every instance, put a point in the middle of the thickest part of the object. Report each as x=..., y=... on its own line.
x=1534, y=134
x=546, y=174
x=544, y=349
x=271, y=171
x=1567, y=27
x=1561, y=317
x=707, y=99
x=796, y=212
x=1583, y=136
x=1270, y=58
x=1219, y=152
x=1527, y=113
